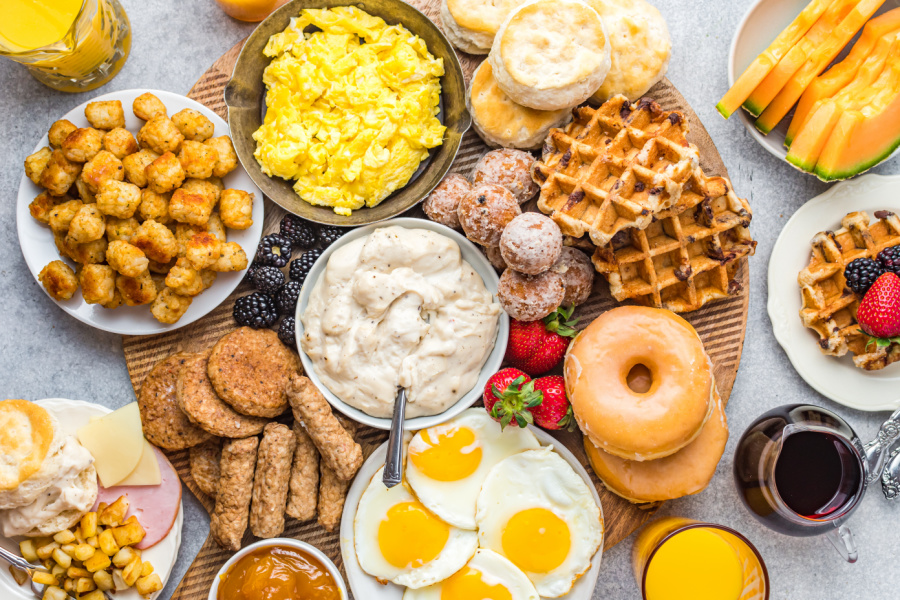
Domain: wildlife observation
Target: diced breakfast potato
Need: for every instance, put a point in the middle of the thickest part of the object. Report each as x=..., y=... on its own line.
x=76, y=572
x=68, y=549
x=27, y=549
x=123, y=557
x=132, y=572
x=62, y=559
x=45, y=551
x=108, y=543
x=54, y=593
x=95, y=595
x=18, y=574
x=130, y=533
x=69, y=586
x=84, y=585
x=64, y=537
x=58, y=571
x=83, y=552
x=42, y=578
x=148, y=584
x=114, y=514
x=93, y=541
x=89, y=525
x=97, y=562
x=119, y=580
x=146, y=569
x=104, y=581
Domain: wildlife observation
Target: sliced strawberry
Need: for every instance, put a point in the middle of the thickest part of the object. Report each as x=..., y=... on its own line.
x=554, y=412
x=538, y=346
x=879, y=310
x=509, y=396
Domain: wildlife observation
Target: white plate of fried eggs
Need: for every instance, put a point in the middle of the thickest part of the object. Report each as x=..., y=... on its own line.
x=474, y=505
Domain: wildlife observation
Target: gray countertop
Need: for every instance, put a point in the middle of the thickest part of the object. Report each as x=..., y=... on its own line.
x=45, y=353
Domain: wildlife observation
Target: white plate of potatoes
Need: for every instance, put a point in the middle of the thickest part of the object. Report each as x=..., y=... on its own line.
x=115, y=192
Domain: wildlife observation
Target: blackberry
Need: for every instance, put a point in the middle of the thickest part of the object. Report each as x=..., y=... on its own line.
x=330, y=235
x=256, y=310
x=251, y=270
x=268, y=279
x=300, y=267
x=862, y=273
x=286, y=300
x=890, y=259
x=287, y=332
x=274, y=251
x=301, y=233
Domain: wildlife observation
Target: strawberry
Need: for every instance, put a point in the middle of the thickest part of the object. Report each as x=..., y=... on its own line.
x=538, y=346
x=879, y=310
x=554, y=411
x=509, y=395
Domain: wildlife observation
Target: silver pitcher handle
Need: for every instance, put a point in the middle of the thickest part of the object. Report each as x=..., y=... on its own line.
x=890, y=479
x=877, y=449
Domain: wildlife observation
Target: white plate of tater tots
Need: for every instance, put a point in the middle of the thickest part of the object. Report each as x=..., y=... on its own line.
x=135, y=215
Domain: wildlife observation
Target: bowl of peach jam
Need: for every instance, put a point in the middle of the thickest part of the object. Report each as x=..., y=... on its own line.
x=279, y=569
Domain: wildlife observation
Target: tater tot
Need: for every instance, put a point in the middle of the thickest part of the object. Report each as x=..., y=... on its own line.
x=42, y=204
x=82, y=144
x=208, y=277
x=202, y=250
x=164, y=174
x=105, y=165
x=217, y=182
x=146, y=106
x=236, y=208
x=59, y=131
x=216, y=227
x=193, y=125
x=89, y=253
x=227, y=158
x=59, y=280
x=127, y=259
x=37, y=162
x=87, y=225
x=156, y=241
x=121, y=229
x=184, y=279
x=60, y=174
x=136, y=290
x=84, y=193
x=118, y=198
x=117, y=300
x=154, y=206
x=232, y=258
x=62, y=214
x=202, y=186
x=192, y=208
x=160, y=135
x=135, y=165
x=169, y=306
x=183, y=233
x=120, y=142
x=161, y=268
x=105, y=114
x=197, y=159
x=98, y=284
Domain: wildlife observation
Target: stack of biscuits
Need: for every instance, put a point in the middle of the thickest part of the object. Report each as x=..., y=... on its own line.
x=218, y=402
x=547, y=56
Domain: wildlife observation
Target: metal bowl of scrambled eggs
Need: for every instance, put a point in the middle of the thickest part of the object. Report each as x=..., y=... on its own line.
x=398, y=165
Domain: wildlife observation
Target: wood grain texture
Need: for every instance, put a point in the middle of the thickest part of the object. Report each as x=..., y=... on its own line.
x=721, y=326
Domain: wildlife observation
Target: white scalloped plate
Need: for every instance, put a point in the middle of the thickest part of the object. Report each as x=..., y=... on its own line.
x=72, y=415
x=835, y=378
x=364, y=586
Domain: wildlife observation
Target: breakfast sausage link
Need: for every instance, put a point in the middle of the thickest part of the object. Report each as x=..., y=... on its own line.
x=229, y=519
x=270, y=485
x=332, y=490
x=304, y=482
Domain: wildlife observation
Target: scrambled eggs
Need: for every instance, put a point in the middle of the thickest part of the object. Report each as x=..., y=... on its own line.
x=351, y=109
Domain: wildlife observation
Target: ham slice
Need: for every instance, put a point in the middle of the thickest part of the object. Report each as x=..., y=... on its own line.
x=155, y=506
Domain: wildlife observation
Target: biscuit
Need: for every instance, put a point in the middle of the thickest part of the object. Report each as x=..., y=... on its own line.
x=640, y=48
x=551, y=54
x=250, y=369
x=502, y=123
x=73, y=496
x=29, y=452
x=205, y=466
x=197, y=398
x=164, y=423
x=471, y=25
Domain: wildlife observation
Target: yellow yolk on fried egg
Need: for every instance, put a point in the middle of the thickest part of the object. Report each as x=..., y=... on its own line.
x=410, y=535
x=536, y=528
x=488, y=576
x=447, y=454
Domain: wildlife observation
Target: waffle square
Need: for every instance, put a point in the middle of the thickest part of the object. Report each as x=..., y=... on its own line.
x=614, y=167
x=829, y=305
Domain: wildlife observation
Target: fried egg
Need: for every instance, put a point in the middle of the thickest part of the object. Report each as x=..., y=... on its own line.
x=535, y=510
x=448, y=463
x=488, y=576
x=399, y=540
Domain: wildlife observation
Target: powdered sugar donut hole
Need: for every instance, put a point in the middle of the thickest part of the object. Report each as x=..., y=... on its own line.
x=485, y=212
x=578, y=275
x=441, y=204
x=531, y=243
x=530, y=297
x=510, y=168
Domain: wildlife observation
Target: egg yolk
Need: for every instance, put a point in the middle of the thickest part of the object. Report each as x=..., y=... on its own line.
x=446, y=454
x=536, y=540
x=410, y=535
x=468, y=583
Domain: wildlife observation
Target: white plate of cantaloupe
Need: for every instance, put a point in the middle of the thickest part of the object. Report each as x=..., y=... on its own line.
x=817, y=82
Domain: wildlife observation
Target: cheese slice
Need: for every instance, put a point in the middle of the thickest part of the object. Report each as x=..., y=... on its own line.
x=147, y=470
x=117, y=442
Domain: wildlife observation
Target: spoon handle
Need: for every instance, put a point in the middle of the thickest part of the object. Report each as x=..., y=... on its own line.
x=393, y=466
x=890, y=479
x=877, y=449
x=18, y=561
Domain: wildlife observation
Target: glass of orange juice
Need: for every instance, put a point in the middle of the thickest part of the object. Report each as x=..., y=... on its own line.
x=250, y=10
x=68, y=45
x=680, y=559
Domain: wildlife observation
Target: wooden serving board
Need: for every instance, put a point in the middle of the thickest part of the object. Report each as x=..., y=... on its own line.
x=721, y=326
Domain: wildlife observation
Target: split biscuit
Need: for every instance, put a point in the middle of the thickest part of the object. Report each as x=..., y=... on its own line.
x=164, y=423
x=471, y=25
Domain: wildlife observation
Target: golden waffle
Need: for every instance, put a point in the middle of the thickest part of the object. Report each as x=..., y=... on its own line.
x=829, y=305
x=688, y=255
x=614, y=167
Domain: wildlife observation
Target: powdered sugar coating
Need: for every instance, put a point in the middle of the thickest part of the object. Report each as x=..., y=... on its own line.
x=530, y=297
x=493, y=255
x=578, y=275
x=510, y=168
x=531, y=243
x=441, y=204
x=485, y=212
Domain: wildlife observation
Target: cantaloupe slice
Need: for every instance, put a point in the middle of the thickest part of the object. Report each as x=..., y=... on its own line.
x=821, y=57
x=863, y=138
x=764, y=63
x=766, y=91
x=873, y=74
x=829, y=83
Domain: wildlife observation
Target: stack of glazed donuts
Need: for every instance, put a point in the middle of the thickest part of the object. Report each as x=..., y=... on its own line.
x=539, y=272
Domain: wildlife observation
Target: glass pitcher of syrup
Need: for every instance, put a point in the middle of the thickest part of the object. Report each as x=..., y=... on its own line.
x=801, y=470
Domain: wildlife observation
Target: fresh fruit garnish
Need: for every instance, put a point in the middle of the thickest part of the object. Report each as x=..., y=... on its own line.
x=879, y=311
x=509, y=396
x=554, y=412
x=862, y=273
x=890, y=259
x=537, y=346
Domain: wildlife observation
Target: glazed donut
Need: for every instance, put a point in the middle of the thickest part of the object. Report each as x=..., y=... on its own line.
x=510, y=168
x=485, y=212
x=613, y=409
x=684, y=473
x=442, y=202
x=531, y=243
x=530, y=297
